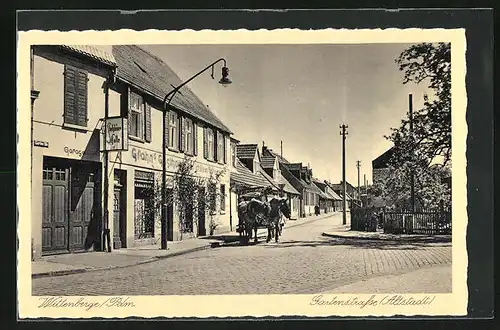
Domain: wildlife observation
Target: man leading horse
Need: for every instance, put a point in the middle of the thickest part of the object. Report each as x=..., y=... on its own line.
x=255, y=213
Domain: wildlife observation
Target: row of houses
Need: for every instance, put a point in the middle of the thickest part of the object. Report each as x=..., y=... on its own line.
x=74, y=89
x=261, y=167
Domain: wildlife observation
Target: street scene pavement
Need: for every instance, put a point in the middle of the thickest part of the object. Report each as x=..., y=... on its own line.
x=303, y=262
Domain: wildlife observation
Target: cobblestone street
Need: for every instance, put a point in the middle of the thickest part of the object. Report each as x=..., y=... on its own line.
x=303, y=262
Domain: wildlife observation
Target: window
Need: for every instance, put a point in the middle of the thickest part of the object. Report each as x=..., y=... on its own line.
x=188, y=129
x=173, y=138
x=220, y=148
x=222, y=197
x=75, y=96
x=209, y=144
x=136, y=116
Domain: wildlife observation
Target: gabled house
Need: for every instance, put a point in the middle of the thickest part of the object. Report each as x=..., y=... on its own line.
x=328, y=202
x=338, y=189
x=380, y=166
x=301, y=179
x=246, y=175
x=271, y=167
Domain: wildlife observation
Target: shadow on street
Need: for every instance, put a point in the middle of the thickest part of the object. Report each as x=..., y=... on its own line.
x=413, y=244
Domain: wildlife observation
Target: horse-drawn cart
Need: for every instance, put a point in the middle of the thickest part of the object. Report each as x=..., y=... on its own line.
x=256, y=212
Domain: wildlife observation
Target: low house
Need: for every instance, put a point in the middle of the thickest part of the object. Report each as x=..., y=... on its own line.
x=329, y=202
x=301, y=179
x=245, y=176
x=270, y=166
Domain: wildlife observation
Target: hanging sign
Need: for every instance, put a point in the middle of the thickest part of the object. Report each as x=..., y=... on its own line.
x=115, y=134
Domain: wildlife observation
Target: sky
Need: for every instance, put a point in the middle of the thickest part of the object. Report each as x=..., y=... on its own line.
x=300, y=94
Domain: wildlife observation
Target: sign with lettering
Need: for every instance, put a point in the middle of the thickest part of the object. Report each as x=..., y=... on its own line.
x=153, y=160
x=43, y=144
x=115, y=134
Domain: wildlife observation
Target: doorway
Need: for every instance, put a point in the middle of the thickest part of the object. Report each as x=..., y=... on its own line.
x=202, y=231
x=71, y=210
x=119, y=223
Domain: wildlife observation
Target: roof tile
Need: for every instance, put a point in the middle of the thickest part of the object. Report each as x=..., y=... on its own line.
x=141, y=68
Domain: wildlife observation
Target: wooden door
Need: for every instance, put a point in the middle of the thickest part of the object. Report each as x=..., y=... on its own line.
x=83, y=205
x=55, y=220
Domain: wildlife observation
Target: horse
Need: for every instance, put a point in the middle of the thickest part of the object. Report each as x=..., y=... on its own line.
x=251, y=214
x=278, y=207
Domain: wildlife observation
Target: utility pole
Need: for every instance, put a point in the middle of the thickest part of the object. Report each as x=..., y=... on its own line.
x=412, y=175
x=358, y=165
x=281, y=149
x=343, y=133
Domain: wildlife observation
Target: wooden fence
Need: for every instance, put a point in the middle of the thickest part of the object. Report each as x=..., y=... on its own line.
x=401, y=222
x=362, y=218
x=425, y=223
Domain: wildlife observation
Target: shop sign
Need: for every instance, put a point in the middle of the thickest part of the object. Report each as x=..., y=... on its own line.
x=115, y=134
x=153, y=159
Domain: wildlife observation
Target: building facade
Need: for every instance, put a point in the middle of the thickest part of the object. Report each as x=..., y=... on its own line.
x=193, y=135
x=70, y=91
x=73, y=90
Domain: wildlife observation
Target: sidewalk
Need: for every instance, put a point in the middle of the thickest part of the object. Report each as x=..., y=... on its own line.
x=345, y=232
x=73, y=263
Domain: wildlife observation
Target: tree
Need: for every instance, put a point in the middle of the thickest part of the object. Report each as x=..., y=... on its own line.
x=431, y=188
x=190, y=192
x=431, y=138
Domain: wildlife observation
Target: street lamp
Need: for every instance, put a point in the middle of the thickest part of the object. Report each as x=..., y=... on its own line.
x=166, y=104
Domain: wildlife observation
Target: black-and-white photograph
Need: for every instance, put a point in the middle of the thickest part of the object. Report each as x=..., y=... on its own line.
x=214, y=169
x=288, y=169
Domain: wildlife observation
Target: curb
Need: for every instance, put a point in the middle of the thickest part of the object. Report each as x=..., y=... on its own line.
x=88, y=270
x=399, y=239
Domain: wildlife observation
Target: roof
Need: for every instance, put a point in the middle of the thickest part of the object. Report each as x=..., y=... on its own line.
x=244, y=176
x=151, y=74
x=98, y=53
x=246, y=151
x=294, y=181
x=383, y=160
x=267, y=161
x=314, y=188
x=287, y=187
x=337, y=186
x=270, y=152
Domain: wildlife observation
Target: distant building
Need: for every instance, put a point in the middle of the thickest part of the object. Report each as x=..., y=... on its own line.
x=380, y=166
x=328, y=202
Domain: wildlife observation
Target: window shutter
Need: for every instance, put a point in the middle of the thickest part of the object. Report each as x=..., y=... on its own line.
x=147, y=119
x=195, y=138
x=216, y=146
x=82, y=81
x=205, y=142
x=129, y=107
x=167, y=128
x=224, y=150
x=69, y=95
x=182, y=134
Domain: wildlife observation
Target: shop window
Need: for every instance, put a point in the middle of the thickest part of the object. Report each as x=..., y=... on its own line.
x=144, y=205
